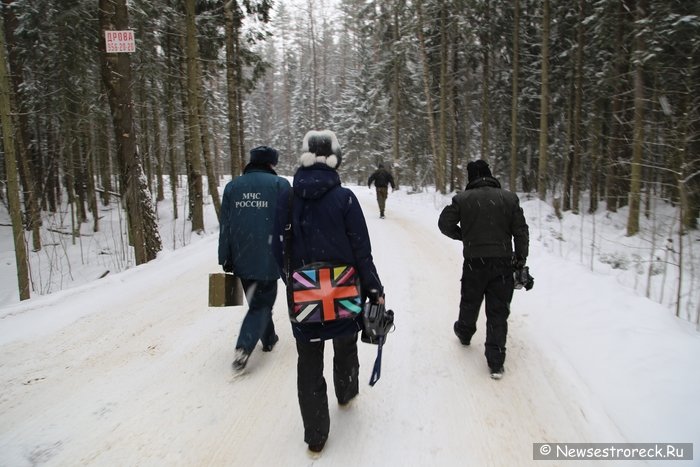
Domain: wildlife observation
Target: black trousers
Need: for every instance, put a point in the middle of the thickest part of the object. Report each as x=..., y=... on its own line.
x=311, y=385
x=490, y=279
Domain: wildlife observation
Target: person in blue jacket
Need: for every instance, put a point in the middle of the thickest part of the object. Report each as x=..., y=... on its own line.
x=245, y=234
x=327, y=226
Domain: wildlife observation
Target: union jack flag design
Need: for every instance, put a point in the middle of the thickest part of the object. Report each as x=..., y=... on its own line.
x=325, y=293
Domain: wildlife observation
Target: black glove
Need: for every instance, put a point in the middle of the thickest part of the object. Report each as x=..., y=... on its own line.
x=523, y=279
x=374, y=295
x=530, y=282
x=518, y=262
x=228, y=267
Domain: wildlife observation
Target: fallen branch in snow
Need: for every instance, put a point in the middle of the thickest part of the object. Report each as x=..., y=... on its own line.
x=62, y=232
x=112, y=193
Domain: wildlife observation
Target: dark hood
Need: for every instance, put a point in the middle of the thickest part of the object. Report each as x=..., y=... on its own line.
x=315, y=181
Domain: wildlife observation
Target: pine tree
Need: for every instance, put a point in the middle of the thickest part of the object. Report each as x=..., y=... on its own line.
x=116, y=75
x=11, y=171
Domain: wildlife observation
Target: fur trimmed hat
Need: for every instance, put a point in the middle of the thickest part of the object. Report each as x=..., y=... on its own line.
x=478, y=169
x=264, y=155
x=321, y=146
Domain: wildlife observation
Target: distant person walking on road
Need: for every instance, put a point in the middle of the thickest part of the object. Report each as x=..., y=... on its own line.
x=381, y=178
x=247, y=216
x=487, y=220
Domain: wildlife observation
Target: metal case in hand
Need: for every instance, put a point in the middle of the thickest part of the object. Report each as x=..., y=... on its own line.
x=225, y=290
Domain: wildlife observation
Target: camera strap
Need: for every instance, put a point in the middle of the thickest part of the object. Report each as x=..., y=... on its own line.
x=288, y=248
x=377, y=370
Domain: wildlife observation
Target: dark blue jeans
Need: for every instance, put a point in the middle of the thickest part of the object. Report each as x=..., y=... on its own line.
x=257, y=324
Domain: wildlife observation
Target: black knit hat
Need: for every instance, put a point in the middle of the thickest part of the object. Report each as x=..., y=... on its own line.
x=478, y=169
x=264, y=155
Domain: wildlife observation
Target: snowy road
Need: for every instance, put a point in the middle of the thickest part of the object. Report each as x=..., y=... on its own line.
x=135, y=370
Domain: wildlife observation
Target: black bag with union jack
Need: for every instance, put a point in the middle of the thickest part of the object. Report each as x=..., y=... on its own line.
x=323, y=292
x=319, y=292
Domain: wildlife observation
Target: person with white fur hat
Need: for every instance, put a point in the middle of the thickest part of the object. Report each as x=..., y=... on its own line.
x=327, y=225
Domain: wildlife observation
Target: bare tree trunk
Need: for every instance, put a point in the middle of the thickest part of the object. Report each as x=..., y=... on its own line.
x=544, y=106
x=66, y=159
x=51, y=189
x=596, y=156
x=456, y=153
x=78, y=159
x=578, y=103
x=232, y=28
x=241, y=126
x=691, y=175
x=144, y=133
x=684, y=162
x=8, y=138
x=466, y=130
x=174, y=182
x=396, y=95
x=514, y=99
x=90, y=178
x=441, y=160
x=638, y=143
x=679, y=286
x=195, y=153
x=314, y=65
x=157, y=149
x=31, y=187
x=616, y=147
x=105, y=160
x=170, y=122
x=568, y=149
x=426, y=89
x=116, y=75
x=485, y=85
x=212, y=181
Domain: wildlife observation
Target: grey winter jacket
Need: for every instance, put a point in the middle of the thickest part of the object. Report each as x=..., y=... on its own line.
x=488, y=220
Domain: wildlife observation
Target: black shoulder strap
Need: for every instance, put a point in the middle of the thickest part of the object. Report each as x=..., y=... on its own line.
x=288, y=248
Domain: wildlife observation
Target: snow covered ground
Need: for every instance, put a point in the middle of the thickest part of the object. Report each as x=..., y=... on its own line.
x=134, y=368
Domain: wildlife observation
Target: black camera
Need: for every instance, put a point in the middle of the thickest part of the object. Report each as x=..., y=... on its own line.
x=522, y=278
x=378, y=322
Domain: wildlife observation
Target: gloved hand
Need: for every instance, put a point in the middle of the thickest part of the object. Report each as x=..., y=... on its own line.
x=375, y=296
x=518, y=262
x=227, y=267
x=522, y=278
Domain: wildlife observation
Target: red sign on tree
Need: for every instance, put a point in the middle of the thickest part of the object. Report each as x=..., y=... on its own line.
x=120, y=42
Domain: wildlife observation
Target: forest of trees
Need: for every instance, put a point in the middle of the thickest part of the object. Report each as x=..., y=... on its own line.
x=588, y=104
